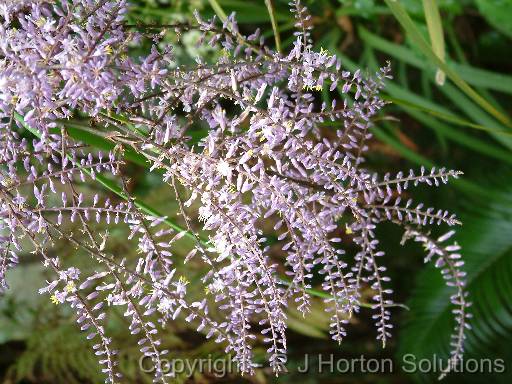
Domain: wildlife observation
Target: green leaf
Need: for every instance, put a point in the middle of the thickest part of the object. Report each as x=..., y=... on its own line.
x=498, y=13
x=253, y=11
x=474, y=76
x=416, y=36
x=487, y=250
x=270, y=8
x=218, y=9
x=412, y=103
x=77, y=131
x=457, y=135
x=247, y=12
x=435, y=31
x=414, y=7
x=477, y=114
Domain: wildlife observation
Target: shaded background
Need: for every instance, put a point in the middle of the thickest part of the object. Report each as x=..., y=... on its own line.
x=425, y=124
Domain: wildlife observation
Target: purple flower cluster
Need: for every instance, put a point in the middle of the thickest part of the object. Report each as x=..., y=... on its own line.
x=267, y=166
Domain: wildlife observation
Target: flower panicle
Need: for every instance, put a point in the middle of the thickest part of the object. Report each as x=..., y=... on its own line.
x=265, y=176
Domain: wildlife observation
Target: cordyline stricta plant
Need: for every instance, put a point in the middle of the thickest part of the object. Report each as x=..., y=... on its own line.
x=265, y=158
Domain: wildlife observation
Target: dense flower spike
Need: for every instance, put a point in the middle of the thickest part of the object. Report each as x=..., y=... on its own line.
x=265, y=159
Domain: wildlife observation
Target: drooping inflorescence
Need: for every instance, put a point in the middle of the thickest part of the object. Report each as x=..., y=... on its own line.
x=265, y=158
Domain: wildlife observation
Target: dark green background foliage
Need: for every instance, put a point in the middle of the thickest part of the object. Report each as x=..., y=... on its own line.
x=464, y=124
